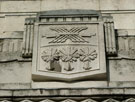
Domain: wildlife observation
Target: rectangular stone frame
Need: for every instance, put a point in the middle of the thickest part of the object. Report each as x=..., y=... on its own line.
x=97, y=75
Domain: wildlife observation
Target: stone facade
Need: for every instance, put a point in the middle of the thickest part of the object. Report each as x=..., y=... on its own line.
x=67, y=50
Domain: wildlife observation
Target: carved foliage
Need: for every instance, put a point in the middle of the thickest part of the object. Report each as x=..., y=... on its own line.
x=70, y=55
x=67, y=50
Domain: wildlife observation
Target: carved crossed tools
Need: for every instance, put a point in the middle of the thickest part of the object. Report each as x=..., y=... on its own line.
x=69, y=55
x=63, y=34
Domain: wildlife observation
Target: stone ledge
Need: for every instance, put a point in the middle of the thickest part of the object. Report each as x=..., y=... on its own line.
x=4, y=93
x=86, y=84
x=67, y=92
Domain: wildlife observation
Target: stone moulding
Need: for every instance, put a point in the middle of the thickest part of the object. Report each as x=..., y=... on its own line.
x=110, y=37
x=28, y=37
x=69, y=95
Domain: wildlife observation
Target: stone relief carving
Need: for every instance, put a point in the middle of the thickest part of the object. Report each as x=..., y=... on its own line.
x=26, y=100
x=28, y=38
x=69, y=55
x=47, y=100
x=69, y=50
x=129, y=100
x=126, y=41
x=5, y=101
x=110, y=37
x=89, y=100
x=11, y=46
x=75, y=100
x=72, y=34
x=68, y=100
x=66, y=55
x=111, y=100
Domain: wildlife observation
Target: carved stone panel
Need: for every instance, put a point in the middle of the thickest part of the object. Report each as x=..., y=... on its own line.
x=69, y=48
x=69, y=51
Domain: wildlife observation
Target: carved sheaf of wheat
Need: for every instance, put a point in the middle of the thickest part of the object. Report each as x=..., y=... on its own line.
x=65, y=30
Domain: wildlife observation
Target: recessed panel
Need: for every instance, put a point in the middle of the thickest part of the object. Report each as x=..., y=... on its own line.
x=69, y=51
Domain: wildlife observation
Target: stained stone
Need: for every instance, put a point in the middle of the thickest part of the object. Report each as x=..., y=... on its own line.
x=67, y=51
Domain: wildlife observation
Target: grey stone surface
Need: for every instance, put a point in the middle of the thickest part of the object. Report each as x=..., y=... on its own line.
x=20, y=6
x=68, y=12
x=117, y=5
x=122, y=84
x=16, y=72
x=78, y=84
x=124, y=21
x=122, y=70
x=69, y=92
x=72, y=95
x=13, y=85
x=67, y=51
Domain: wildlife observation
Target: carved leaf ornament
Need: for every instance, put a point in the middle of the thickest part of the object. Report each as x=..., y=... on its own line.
x=69, y=53
x=71, y=57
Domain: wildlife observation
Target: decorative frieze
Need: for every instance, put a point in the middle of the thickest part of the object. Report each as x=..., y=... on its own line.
x=99, y=99
x=68, y=100
x=70, y=19
x=110, y=100
x=11, y=46
x=5, y=101
x=47, y=100
x=89, y=100
x=126, y=41
x=26, y=101
x=129, y=100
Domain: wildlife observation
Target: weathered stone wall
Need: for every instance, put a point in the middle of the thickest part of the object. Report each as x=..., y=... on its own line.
x=69, y=95
x=15, y=71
